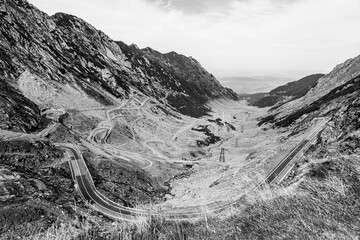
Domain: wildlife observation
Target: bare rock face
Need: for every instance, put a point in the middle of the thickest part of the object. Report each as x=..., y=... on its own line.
x=62, y=61
x=17, y=113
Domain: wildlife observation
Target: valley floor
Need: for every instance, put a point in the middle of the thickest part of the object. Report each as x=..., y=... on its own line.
x=139, y=132
x=250, y=152
x=305, y=208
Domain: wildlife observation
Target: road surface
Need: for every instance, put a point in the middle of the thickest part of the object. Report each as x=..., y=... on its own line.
x=53, y=114
x=279, y=172
x=86, y=187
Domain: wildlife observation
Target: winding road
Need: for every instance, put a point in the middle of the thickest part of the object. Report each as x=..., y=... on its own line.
x=106, y=127
x=114, y=210
x=85, y=185
x=53, y=114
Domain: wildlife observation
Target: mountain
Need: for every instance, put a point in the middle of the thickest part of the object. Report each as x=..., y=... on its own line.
x=333, y=93
x=189, y=84
x=62, y=61
x=287, y=92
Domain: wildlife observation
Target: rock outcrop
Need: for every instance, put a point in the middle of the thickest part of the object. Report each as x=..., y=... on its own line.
x=17, y=113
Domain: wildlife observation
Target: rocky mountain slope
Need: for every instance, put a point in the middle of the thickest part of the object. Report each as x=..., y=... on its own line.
x=62, y=61
x=189, y=85
x=334, y=92
x=288, y=92
x=17, y=113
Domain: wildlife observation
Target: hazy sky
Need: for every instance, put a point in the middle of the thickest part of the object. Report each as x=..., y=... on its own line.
x=231, y=37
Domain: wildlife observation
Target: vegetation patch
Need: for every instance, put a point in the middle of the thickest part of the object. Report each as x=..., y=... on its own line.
x=210, y=139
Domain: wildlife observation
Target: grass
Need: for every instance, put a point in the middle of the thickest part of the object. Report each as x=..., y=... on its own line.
x=325, y=204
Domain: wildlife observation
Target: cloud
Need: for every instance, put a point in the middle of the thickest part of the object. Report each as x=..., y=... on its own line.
x=194, y=6
x=216, y=6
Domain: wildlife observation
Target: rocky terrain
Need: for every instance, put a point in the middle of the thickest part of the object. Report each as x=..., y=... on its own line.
x=18, y=113
x=36, y=186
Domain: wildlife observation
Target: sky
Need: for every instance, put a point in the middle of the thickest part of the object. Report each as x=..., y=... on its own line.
x=231, y=37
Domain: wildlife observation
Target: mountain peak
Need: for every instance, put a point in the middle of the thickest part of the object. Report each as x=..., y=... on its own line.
x=74, y=23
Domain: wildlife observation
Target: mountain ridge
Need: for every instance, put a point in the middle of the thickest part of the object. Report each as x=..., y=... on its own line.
x=49, y=57
x=288, y=92
x=319, y=99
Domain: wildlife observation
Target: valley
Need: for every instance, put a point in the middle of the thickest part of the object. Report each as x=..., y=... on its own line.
x=205, y=184
x=104, y=140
